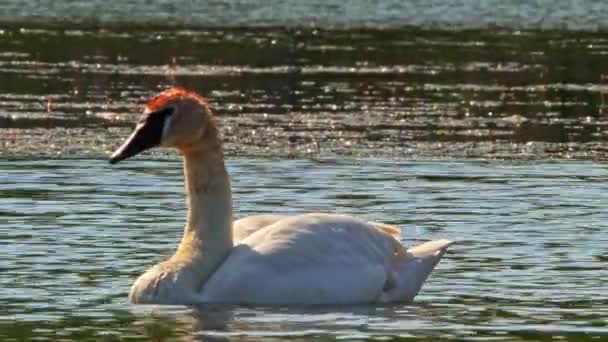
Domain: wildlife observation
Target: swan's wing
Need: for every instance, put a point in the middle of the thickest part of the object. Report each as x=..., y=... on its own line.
x=391, y=230
x=246, y=226
x=306, y=259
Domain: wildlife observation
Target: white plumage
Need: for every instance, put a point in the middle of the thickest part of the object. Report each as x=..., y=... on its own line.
x=319, y=259
x=266, y=259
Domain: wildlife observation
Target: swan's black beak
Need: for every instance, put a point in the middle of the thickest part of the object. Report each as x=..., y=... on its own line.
x=147, y=134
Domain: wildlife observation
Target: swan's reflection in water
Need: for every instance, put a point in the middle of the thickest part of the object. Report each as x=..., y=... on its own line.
x=221, y=323
x=188, y=323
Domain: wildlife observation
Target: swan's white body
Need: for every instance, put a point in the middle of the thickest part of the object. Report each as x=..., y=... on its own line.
x=271, y=259
x=320, y=259
x=302, y=259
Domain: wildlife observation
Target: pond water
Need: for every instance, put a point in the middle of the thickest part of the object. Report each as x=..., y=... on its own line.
x=529, y=262
x=485, y=122
x=301, y=92
x=457, y=14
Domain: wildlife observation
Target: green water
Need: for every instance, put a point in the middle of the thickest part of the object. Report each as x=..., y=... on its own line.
x=530, y=262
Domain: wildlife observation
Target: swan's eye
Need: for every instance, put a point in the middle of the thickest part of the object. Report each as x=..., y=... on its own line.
x=159, y=115
x=169, y=110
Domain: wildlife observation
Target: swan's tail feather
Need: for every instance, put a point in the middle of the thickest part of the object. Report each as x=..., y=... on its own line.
x=411, y=268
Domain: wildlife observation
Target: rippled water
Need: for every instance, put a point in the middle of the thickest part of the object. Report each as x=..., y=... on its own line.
x=306, y=91
x=530, y=261
x=516, y=14
x=353, y=100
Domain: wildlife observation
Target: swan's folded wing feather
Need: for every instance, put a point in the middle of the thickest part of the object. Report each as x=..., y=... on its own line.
x=244, y=227
x=305, y=259
x=388, y=229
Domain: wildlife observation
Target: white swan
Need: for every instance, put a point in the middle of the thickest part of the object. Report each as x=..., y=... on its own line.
x=303, y=259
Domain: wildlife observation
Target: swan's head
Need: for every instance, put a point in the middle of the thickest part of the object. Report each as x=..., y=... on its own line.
x=175, y=118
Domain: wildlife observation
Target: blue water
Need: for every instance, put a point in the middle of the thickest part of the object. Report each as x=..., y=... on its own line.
x=530, y=258
x=512, y=14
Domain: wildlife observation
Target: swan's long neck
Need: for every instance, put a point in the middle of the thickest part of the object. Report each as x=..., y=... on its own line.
x=207, y=236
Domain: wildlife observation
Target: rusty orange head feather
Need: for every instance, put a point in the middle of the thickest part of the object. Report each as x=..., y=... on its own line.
x=163, y=99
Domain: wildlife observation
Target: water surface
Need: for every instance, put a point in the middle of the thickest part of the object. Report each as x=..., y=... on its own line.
x=353, y=100
x=512, y=14
x=530, y=261
x=302, y=92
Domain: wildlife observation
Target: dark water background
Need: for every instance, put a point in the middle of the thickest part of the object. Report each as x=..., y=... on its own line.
x=303, y=91
x=507, y=97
